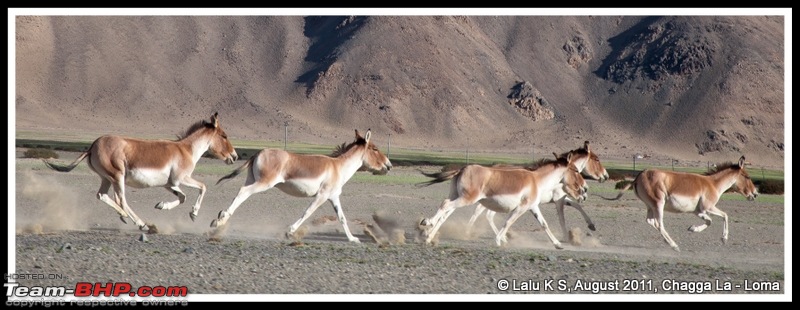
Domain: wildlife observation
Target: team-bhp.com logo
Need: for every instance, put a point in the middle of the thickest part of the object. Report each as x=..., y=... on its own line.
x=86, y=289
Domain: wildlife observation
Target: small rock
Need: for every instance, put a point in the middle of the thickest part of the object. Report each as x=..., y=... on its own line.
x=188, y=250
x=143, y=238
x=65, y=246
x=550, y=258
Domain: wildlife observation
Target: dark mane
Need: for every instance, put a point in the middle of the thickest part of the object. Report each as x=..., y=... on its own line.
x=721, y=167
x=575, y=151
x=343, y=148
x=192, y=129
x=540, y=163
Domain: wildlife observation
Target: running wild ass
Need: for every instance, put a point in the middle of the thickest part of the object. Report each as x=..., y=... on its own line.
x=681, y=192
x=121, y=161
x=318, y=176
x=502, y=190
x=587, y=163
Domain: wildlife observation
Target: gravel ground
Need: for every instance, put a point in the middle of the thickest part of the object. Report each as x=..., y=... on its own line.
x=63, y=230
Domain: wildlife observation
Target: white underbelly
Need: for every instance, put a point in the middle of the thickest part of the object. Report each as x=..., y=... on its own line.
x=143, y=177
x=300, y=188
x=680, y=204
x=548, y=196
x=501, y=203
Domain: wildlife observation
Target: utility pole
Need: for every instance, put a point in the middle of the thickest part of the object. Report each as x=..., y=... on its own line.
x=635, y=156
x=467, y=152
x=285, y=133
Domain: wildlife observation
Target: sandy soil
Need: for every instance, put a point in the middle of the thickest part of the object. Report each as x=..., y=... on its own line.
x=62, y=229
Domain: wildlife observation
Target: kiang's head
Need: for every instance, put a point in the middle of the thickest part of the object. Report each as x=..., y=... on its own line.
x=373, y=159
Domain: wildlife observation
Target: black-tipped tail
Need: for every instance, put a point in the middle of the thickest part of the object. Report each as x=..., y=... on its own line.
x=619, y=195
x=621, y=192
x=68, y=168
x=438, y=177
x=238, y=171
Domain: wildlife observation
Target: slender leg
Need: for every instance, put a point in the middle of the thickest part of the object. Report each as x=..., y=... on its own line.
x=102, y=195
x=478, y=210
x=190, y=182
x=538, y=215
x=651, y=218
x=447, y=208
x=561, y=220
x=244, y=193
x=715, y=211
x=337, y=206
x=119, y=190
x=175, y=190
x=490, y=217
x=578, y=207
x=500, y=237
x=701, y=227
x=318, y=200
x=659, y=213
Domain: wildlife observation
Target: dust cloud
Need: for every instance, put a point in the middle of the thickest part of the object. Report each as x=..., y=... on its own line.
x=60, y=209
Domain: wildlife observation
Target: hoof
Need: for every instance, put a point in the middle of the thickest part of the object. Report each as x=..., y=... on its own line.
x=152, y=229
x=724, y=240
x=215, y=223
x=160, y=205
x=558, y=246
x=192, y=216
x=676, y=248
x=592, y=228
x=122, y=218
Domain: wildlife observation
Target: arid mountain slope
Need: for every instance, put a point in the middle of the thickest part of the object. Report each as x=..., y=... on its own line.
x=688, y=87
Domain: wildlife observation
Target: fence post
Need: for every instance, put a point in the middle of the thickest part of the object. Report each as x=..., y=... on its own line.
x=285, y=133
x=467, y=152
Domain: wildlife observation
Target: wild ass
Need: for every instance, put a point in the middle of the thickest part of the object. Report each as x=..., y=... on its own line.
x=318, y=176
x=681, y=192
x=587, y=163
x=138, y=163
x=502, y=190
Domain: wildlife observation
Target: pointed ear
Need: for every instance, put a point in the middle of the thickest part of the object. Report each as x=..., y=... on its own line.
x=556, y=155
x=358, y=135
x=586, y=145
x=741, y=162
x=368, y=135
x=215, y=120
